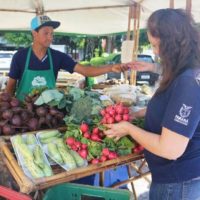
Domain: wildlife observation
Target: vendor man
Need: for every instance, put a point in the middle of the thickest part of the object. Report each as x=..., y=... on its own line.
x=38, y=65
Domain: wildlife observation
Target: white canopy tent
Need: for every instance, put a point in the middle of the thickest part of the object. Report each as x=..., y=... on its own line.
x=91, y=17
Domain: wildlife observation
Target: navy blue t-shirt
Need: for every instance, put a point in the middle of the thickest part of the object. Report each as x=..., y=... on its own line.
x=177, y=109
x=60, y=61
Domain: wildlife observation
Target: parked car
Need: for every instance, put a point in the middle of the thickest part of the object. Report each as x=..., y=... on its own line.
x=142, y=77
x=5, y=60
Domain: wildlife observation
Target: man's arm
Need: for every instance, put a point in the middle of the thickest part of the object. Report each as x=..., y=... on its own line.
x=11, y=86
x=96, y=71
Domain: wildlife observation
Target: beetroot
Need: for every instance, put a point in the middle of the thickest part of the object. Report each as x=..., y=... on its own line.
x=4, y=105
x=41, y=111
x=16, y=120
x=53, y=111
x=14, y=102
x=33, y=124
x=5, y=97
x=7, y=114
x=8, y=130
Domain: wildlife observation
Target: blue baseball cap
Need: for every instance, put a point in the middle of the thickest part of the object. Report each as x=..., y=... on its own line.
x=43, y=20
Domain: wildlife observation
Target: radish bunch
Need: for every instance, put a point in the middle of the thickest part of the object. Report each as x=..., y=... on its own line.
x=95, y=134
x=106, y=154
x=77, y=146
x=114, y=113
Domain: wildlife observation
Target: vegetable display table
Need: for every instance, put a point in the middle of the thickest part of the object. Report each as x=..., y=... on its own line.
x=28, y=185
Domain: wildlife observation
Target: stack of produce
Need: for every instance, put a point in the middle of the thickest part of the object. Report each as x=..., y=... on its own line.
x=31, y=156
x=18, y=117
x=53, y=145
x=89, y=141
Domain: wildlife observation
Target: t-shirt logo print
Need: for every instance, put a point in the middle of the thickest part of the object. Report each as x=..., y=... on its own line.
x=39, y=81
x=197, y=78
x=184, y=113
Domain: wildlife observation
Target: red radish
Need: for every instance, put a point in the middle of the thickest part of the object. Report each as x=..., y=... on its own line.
x=111, y=112
x=86, y=135
x=105, y=151
x=107, y=116
x=95, y=130
x=103, y=158
x=95, y=161
x=101, y=134
x=78, y=144
x=95, y=138
x=108, y=109
x=118, y=118
x=119, y=109
x=103, y=112
x=104, y=121
x=126, y=110
x=140, y=148
x=112, y=155
x=74, y=147
x=110, y=120
x=70, y=141
x=83, y=146
x=125, y=117
x=83, y=153
x=84, y=127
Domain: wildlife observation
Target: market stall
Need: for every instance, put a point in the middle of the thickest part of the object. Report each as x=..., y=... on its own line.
x=14, y=154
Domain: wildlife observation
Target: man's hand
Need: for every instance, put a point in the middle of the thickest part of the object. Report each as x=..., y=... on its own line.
x=120, y=68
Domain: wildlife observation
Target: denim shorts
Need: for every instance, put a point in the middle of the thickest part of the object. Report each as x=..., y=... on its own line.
x=187, y=190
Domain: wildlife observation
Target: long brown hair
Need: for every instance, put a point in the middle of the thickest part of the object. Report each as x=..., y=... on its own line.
x=179, y=42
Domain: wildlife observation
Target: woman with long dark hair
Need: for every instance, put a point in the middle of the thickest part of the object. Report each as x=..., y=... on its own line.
x=171, y=136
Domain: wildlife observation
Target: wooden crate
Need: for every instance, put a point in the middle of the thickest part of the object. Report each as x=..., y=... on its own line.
x=28, y=185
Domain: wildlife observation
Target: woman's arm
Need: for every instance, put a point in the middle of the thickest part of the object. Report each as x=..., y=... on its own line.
x=169, y=144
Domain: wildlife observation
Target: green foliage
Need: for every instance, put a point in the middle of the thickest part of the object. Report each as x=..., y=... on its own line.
x=97, y=61
x=19, y=39
x=85, y=63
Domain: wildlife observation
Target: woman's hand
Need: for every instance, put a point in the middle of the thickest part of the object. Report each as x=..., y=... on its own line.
x=117, y=130
x=141, y=66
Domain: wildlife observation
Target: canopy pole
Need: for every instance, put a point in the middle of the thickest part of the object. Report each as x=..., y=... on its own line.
x=136, y=33
x=130, y=16
x=188, y=6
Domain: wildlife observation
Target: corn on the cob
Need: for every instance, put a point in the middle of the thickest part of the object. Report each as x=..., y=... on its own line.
x=79, y=160
x=48, y=134
x=67, y=158
x=24, y=151
x=54, y=153
x=38, y=156
x=18, y=139
x=47, y=170
x=35, y=171
x=30, y=139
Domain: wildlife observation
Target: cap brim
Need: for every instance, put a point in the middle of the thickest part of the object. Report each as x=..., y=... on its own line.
x=54, y=24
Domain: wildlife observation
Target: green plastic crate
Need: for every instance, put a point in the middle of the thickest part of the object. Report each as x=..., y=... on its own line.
x=71, y=191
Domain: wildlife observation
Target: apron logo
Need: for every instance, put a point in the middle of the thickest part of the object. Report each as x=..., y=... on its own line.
x=184, y=113
x=39, y=81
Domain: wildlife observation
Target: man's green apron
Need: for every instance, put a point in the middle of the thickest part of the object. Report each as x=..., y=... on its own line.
x=35, y=79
